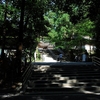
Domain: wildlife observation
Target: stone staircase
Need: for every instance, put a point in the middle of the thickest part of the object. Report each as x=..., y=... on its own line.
x=71, y=82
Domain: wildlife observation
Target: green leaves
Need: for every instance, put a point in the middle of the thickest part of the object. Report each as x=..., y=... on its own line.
x=59, y=26
x=63, y=32
x=65, y=21
x=85, y=27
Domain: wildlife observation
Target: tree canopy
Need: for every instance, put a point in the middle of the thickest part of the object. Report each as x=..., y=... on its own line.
x=63, y=32
x=61, y=20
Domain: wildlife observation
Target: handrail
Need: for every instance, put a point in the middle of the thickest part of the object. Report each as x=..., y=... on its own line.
x=52, y=54
x=96, y=61
x=26, y=75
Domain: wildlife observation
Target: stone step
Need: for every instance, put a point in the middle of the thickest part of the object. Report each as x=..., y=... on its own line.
x=94, y=75
x=64, y=81
x=50, y=89
x=53, y=96
x=64, y=70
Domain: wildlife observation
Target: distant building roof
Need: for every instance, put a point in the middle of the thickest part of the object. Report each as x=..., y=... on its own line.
x=41, y=44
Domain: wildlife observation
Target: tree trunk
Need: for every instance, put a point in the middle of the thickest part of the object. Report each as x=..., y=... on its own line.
x=97, y=38
x=4, y=32
x=20, y=37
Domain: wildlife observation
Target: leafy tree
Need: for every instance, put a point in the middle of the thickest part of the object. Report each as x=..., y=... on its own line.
x=59, y=26
x=64, y=33
x=77, y=10
x=83, y=29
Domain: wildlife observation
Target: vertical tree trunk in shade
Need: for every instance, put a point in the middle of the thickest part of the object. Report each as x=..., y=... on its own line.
x=97, y=38
x=98, y=45
x=20, y=39
x=4, y=31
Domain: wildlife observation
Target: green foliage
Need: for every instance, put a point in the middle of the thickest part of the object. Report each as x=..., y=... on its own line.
x=59, y=26
x=64, y=20
x=64, y=33
x=85, y=27
x=1, y=12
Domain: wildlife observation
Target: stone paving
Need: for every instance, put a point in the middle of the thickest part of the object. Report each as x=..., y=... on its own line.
x=47, y=58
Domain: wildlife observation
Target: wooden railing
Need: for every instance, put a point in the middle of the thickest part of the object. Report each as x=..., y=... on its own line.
x=96, y=61
x=26, y=76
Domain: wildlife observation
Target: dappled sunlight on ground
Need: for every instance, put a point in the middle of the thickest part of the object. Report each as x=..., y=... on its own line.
x=61, y=78
x=42, y=68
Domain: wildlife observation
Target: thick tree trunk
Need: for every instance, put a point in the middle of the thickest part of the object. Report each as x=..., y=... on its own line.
x=20, y=41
